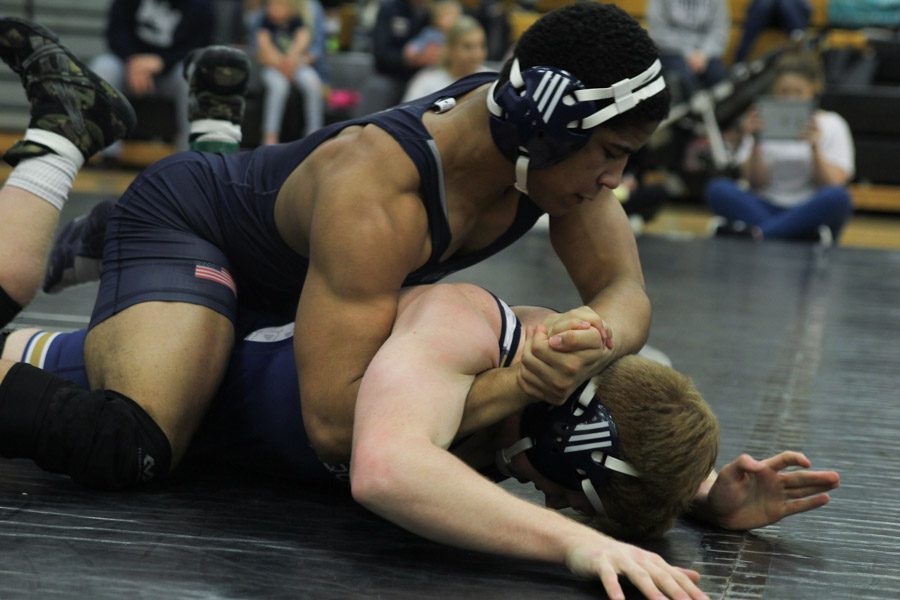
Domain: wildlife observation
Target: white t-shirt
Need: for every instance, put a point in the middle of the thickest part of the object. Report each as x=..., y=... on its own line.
x=789, y=162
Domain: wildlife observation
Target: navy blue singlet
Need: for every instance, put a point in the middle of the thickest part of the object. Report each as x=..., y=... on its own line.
x=200, y=228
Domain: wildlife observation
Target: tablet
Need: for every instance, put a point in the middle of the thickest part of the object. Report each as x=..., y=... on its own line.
x=783, y=118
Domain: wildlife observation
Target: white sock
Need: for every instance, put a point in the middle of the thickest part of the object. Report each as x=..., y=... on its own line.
x=57, y=143
x=215, y=130
x=49, y=177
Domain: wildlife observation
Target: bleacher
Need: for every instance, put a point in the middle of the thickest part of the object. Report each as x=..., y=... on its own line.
x=770, y=39
x=870, y=110
x=80, y=25
x=78, y=22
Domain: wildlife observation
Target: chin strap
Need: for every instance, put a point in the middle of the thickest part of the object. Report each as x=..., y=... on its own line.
x=593, y=497
x=522, y=171
x=504, y=457
x=613, y=464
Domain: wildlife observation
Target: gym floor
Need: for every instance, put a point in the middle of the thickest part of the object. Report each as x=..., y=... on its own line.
x=794, y=346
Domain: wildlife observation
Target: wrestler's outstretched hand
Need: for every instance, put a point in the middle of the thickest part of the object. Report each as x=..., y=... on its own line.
x=751, y=493
x=652, y=575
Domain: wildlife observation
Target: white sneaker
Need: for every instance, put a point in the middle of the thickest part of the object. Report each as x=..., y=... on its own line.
x=826, y=238
x=713, y=225
x=637, y=224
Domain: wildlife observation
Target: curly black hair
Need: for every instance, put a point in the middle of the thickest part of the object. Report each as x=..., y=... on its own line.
x=599, y=44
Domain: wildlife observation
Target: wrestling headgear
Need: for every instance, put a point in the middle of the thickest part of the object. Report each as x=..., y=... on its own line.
x=544, y=114
x=574, y=445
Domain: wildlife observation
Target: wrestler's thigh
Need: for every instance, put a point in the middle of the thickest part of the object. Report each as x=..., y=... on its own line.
x=169, y=357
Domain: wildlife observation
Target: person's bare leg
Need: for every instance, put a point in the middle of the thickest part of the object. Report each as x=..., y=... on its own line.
x=171, y=371
x=15, y=343
x=74, y=114
x=26, y=228
x=154, y=368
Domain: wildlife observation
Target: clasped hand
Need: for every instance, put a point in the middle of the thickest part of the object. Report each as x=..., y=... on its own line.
x=564, y=351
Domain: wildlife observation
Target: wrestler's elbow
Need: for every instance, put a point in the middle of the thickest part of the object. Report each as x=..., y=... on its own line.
x=376, y=479
x=330, y=440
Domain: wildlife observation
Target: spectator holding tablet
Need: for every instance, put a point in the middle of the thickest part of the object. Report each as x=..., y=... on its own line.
x=795, y=160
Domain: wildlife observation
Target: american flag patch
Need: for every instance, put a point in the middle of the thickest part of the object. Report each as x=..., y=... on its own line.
x=218, y=275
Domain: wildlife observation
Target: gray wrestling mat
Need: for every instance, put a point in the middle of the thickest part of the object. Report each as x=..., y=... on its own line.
x=794, y=347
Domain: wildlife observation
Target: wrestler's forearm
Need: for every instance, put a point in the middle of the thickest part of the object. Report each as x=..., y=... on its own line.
x=597, y=247
x=700, y=508
x=625, y=307
x=461, y=508
x=494, y=395
x=331, y=432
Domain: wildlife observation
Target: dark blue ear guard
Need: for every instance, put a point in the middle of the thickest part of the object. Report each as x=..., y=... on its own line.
x=543, y=115
x=575, y=445
x=535, y=115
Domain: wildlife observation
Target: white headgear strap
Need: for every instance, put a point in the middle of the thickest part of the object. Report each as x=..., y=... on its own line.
x=626, y=94
x=505, y=456
x=515, y=79
x=593, y=497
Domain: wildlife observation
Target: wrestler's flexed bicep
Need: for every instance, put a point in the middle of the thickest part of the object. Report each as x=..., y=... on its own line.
x=359, y=258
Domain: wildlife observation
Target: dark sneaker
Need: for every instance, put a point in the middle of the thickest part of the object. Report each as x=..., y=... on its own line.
x=78, y=249
x=66, y=97
x=218, y=78
x=738, y=229
x=822, y=235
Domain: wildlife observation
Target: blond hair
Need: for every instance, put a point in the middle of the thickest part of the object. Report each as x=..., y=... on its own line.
x=461, y=27
x=667, y=432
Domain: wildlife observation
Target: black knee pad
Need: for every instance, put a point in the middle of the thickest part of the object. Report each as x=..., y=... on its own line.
x=4, y=335
x=101, y=438
x=9, y=308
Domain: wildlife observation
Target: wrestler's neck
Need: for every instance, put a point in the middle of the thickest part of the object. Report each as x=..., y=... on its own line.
x=471, y=160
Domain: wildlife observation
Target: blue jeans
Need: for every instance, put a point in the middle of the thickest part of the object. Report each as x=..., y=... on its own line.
x=679, y=74
x=829, y=205
x=791, y=15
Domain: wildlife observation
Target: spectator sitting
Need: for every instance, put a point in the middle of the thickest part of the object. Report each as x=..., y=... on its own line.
x=691, y=36
x=790, y=15
x=397, y=22
x=464, y=55
x=797, y=186
x=314, y=14
x=282, y=48
x=444, y=14
x=494, y=18
x=148, y=40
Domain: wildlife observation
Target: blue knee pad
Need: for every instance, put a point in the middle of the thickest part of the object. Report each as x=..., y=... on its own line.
x=101, y=438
